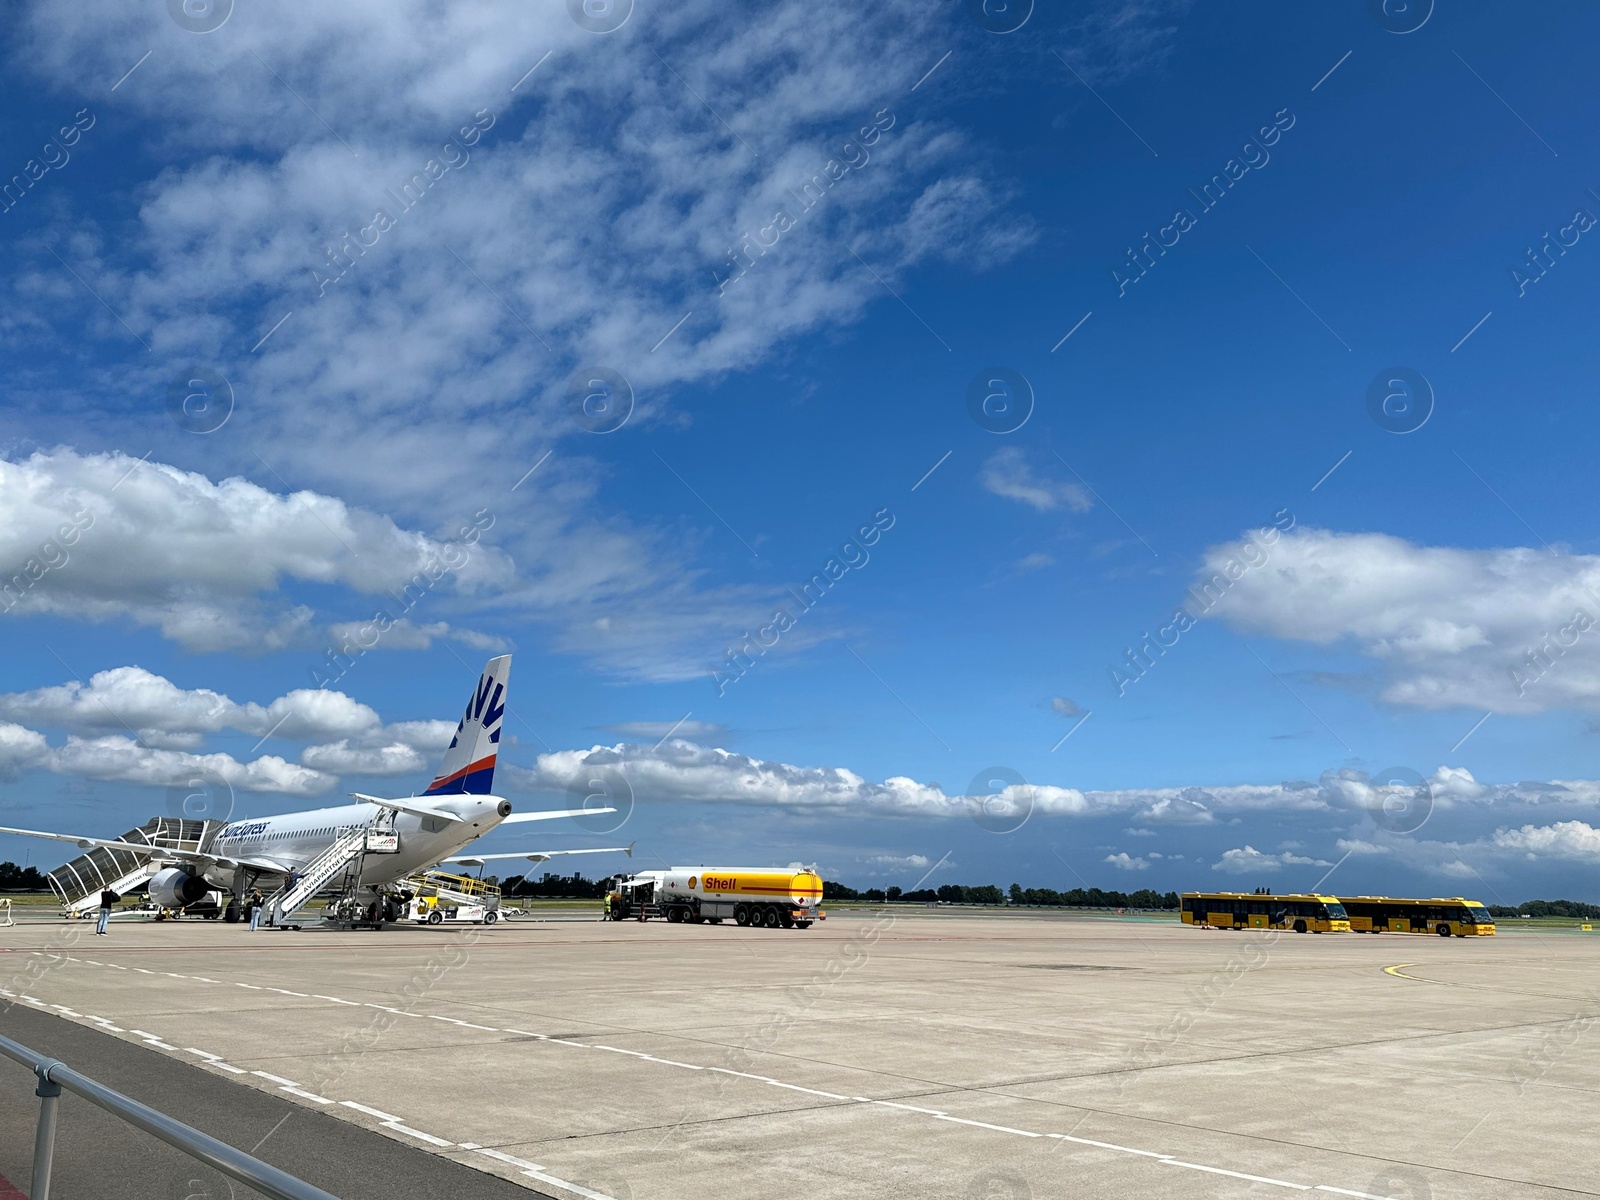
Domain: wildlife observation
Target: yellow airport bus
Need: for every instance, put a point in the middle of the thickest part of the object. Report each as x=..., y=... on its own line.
x=1257, y=910
x=1444, y=916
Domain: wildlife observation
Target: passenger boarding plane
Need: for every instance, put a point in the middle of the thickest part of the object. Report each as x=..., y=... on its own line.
x=393, y=839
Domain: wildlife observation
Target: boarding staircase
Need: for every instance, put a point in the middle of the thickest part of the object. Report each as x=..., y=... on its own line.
x=344, y=856
x=80, y=882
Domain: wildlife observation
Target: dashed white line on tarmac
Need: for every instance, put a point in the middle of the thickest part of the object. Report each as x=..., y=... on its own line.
x=1178, y=1162
x=536, y=1172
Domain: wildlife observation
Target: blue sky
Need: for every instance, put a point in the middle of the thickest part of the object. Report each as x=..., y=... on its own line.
x=582, y=221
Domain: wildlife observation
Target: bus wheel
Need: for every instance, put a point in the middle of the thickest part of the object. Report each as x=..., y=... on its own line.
x=1444, y=931
x=741, y=914
x=770, y=918
x=1299, y=926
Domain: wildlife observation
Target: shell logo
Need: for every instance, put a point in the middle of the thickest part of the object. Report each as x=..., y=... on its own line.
x=692, y=882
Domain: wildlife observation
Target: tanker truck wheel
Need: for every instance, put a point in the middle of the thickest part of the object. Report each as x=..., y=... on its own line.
x=786, y=920
x=770, y=918
x=741, y=914
x=802, y=924
x=674, y=915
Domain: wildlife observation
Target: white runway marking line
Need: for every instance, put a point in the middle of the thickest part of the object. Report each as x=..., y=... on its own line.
x=1178, y=1162
x=293, y=1088
x=152, y=1039
x=534, y=1171
x=392, y=1122
x=216, y=1061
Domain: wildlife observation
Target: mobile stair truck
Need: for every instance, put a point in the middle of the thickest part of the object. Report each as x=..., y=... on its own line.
x=790, y=897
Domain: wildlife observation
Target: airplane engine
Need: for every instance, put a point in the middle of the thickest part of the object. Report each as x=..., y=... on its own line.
x=176, y=888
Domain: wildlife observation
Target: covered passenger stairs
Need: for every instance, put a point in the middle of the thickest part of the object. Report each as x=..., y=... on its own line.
x=80, y=882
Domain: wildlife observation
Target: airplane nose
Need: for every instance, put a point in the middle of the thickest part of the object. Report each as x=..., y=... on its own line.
x=505, y=808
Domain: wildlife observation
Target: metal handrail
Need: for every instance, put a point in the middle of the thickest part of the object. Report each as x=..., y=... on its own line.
x=54, y=1075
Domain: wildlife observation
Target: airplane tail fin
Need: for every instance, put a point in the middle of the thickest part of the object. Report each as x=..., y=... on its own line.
x=468, y=765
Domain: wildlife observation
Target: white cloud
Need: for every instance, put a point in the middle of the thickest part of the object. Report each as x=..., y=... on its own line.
x=1068, y=708
x=1123, y=861
x=919, y=861
x=403, y=634
x=1007, y=473
x=202, y=561
x=167, y=718
x=341, y=758
x=1574, y=840
x=1248, y=860
x=134, y=699
x=1505, y=630
x=684, y=771
x=122, y=760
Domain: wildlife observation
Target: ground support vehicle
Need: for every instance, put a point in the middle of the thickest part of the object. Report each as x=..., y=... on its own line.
x=1441, y=915
x=1304, y=913
x=776, y=897
x=437, y=897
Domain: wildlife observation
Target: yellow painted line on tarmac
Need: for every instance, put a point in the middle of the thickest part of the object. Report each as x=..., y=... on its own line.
x=1399, y=973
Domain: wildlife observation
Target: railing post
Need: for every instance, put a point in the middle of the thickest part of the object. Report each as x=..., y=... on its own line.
x=44, y=1138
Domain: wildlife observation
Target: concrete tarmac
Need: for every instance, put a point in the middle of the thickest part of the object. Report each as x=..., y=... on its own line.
x=909, y=1054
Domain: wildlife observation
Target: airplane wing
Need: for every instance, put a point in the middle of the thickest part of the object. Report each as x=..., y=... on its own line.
x=538, y=856
x=517, y=818
x=414, y=807
x=163, y=852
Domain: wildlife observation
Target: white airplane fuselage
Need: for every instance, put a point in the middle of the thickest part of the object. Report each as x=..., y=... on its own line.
x=295, y=839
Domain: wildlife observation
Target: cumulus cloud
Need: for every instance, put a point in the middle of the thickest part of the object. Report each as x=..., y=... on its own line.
x=132, y=698
x=1247, y=860
x=123, y=760
x=680, y=770
x=1070, y=709
x=1575, y=840
x=1124, y=861
x=203, y=562
x=1007, y=473
x=163, y=718
x=341, y=758
x=1508, y=630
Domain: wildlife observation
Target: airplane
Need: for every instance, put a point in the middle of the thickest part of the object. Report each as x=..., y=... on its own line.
x=395, y=838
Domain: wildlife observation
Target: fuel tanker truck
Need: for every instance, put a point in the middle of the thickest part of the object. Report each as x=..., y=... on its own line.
x=790, y=896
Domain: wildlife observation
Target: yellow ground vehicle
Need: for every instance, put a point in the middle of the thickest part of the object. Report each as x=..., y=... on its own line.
x=1444, y=916
x=438, y=896
x=1257, y=910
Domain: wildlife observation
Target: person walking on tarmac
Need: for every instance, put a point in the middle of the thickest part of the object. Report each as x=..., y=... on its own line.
x=107, y=899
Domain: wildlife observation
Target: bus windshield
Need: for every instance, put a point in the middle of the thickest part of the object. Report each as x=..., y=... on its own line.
x=1335, y=912
x=1479, y=915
